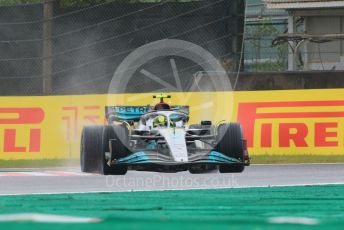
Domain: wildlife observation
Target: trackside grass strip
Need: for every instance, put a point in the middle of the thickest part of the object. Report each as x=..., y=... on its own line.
x=303, y=207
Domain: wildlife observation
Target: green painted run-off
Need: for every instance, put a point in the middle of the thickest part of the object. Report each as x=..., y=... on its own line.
x=247, y=208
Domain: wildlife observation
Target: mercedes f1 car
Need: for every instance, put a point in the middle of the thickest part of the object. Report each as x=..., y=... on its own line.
x=159, y=139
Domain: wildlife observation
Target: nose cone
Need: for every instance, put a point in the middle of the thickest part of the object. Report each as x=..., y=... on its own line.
x=175, y=139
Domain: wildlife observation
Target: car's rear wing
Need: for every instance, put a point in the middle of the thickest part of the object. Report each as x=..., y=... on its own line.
x=134, y=113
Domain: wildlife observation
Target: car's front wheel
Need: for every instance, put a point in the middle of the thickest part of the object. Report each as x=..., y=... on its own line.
x=91, y=148
x=230, y=143
x=115, y=145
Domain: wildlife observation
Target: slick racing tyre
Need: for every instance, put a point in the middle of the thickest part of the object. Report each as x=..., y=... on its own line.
x=229, y=142
x=119, y=146
x=91, y=148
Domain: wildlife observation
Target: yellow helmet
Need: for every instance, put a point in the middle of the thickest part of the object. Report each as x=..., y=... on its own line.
x=161, y=119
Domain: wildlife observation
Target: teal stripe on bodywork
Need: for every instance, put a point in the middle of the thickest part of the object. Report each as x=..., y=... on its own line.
x=139, y=156
x=213, y=157
x=216, y=156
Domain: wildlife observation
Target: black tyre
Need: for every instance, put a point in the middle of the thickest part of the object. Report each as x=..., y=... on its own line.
x=91, y=148
x=119, y=135
x=229, y=142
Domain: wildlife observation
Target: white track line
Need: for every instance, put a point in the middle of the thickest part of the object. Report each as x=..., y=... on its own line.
x=46, y=218
x=41, y=174
x=293, y=220
x=177, y=189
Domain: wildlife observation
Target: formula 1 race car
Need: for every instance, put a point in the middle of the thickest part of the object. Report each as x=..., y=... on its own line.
x=159, y=139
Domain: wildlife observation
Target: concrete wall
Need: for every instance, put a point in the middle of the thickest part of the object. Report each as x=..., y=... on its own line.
x=328, y=55
x=289, y=80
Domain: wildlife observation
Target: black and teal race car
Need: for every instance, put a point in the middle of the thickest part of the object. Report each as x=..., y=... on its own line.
x=160, y=139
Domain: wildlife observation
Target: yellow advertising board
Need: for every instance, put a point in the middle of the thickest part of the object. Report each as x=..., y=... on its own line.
x=274, y=122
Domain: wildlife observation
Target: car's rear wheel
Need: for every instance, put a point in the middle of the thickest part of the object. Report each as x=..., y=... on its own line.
x=118, y=134
x=229, y=142
x=91, y=148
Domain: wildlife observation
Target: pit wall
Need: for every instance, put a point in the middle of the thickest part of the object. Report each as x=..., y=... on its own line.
x=287, y=122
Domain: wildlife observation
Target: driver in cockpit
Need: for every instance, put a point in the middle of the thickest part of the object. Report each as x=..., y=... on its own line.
x=160, y=121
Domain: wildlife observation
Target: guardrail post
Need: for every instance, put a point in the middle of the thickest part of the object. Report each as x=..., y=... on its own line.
x=48, y=6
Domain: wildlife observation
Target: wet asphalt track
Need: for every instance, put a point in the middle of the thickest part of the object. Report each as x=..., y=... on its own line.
x=38, y=182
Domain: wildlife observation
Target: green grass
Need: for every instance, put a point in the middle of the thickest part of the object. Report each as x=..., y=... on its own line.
x=260, y=159
x=249, y=208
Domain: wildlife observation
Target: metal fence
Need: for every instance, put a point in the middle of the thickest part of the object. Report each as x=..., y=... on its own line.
x=51, y=49
x=261, y=28
x=59, y=48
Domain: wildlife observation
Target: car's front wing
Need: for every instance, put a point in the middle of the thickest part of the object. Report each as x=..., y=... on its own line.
x=150, y=157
